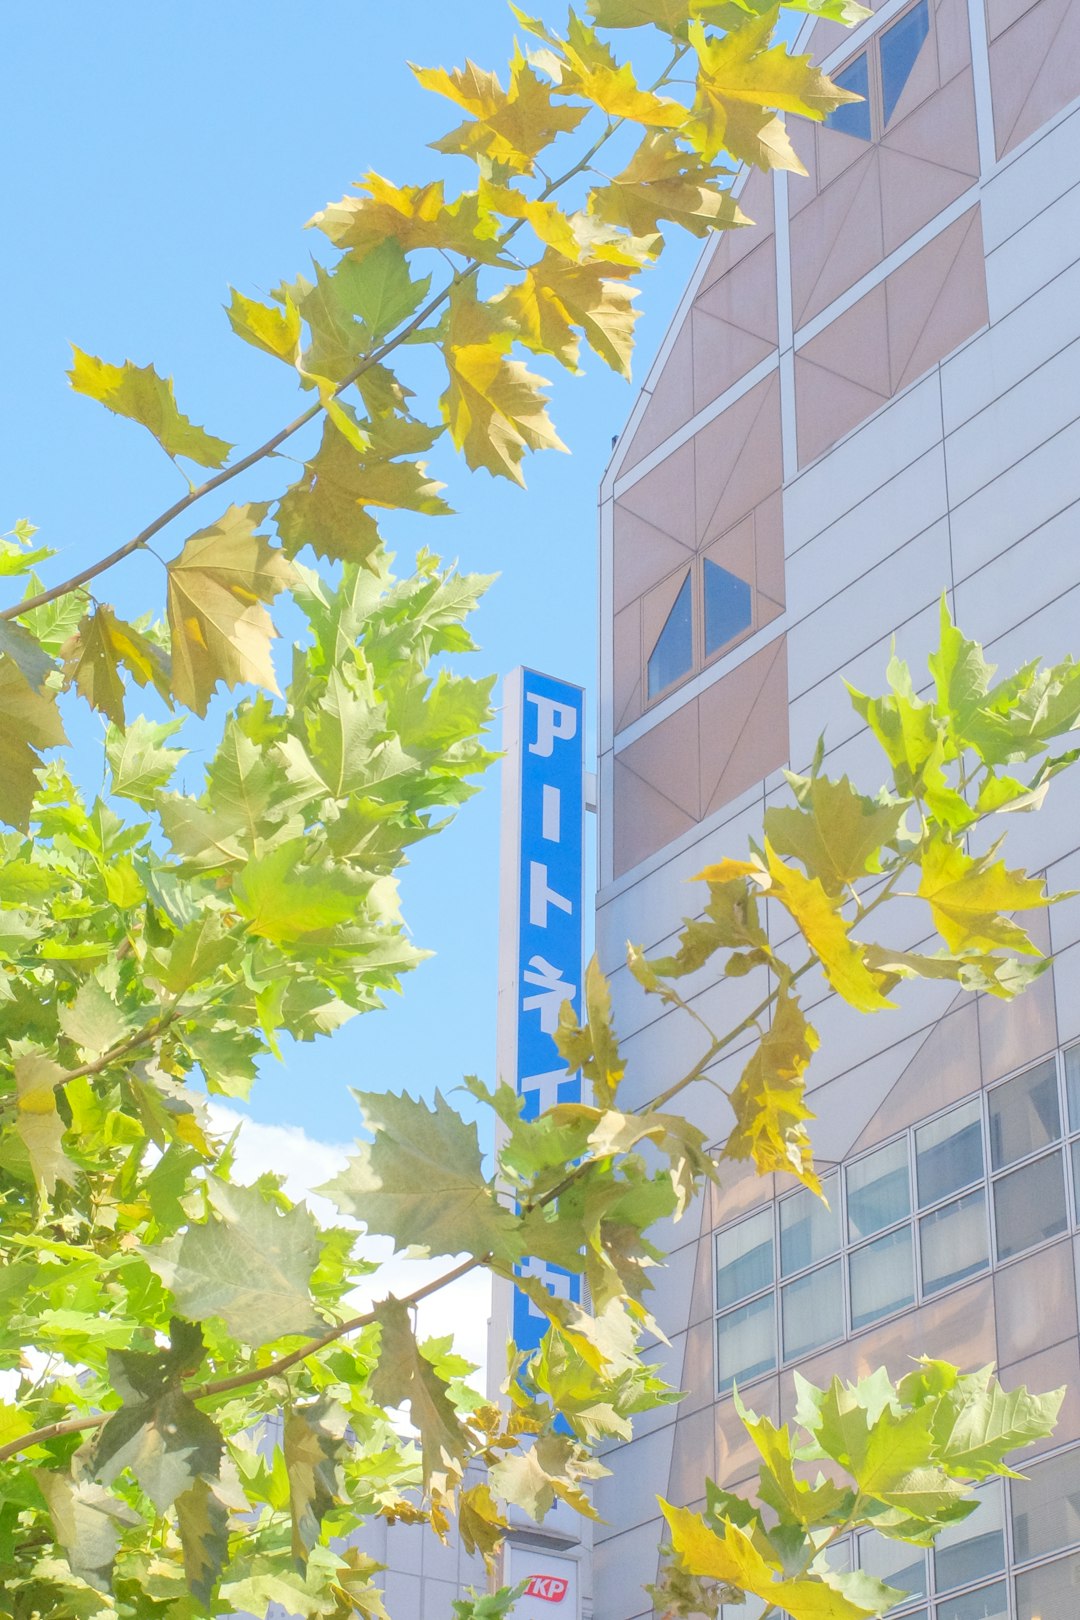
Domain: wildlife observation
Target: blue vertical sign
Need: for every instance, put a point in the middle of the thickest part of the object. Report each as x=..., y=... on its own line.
x=543, y=834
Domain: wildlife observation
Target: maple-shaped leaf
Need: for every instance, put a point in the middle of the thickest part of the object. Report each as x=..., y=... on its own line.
x=140, y=763
x=87, y=1520
x=404, y=1374
x=414, y=216
x=480, y=1522
x=510, y=128
x=217, y=587
x=203, y=1522
x=29, y=721
x=95, y=1021
x=494, y=406
x=158, y=1431
x=247, y=1262
x=313, y=1442
x=555, y=1467
x=743, y=81
x=583, y=65
x=769, y=1105
x=827, y=932
x=138, y=393
x=329, y=506
x=286, y=901
x=671, y=16
x=104, y=645
x=663, y=181
x=592, y=1046
x=969, y=899
x=274, y=329
x=20, y=644
x=835, y=831
x=556, y=296
x=38, y=1121
x=421, y=1180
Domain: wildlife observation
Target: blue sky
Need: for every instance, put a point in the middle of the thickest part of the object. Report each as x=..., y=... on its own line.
x=156, y=154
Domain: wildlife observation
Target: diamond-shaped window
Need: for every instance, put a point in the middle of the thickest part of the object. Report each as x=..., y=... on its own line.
x=900, y=46
x=673, y=655
x=729, y=607
x=853, y=117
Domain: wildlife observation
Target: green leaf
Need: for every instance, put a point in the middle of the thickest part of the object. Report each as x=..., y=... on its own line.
x=769, y=1105
x=977, y=1424
x=38, y=1122
x=421, y=1181
x=592, y=1046
x=968, y=898
x=138, y=393
x=158, y=1432
x=286, y=902
x=404, y=1375
x=140, y=763
x=555, y=1467
x=203, y=1522
x=247, y=1262
x=835, y=831
x=94, y=1021
x=19, y=644
x=103, y=646
x=87, y=1521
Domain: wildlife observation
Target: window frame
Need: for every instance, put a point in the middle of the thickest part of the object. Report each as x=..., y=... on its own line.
x=1066, y=1148
x=871, y=49
x=699, y=658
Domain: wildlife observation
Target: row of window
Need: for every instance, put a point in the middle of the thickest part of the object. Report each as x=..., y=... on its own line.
x=978, y=1184
x=728, y=613
x=879, y=75
x=965, y=1575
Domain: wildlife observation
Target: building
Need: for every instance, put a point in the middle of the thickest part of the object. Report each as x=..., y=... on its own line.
x=872, y=396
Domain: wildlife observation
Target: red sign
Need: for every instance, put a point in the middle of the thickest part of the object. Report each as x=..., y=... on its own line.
x=552, y=1588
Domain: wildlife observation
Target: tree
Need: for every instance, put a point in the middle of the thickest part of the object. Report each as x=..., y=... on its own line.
x=161, y=1318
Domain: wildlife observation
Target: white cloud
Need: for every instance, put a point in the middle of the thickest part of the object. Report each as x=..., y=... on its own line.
x=461, y=1309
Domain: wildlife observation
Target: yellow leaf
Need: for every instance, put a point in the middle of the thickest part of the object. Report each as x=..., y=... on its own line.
x=37, y=1121
x=724, y=871
x=967, y=898
x=556, y=296
x=266, y=326
x=493, y=406
x=742, y=81
x=662, y=181
x=825, y=930
x=138, y=393
x=102, y=645
x=29, y=720
x=584, y=65
x=769, y=1105
x=327, y=508
x=509, y=128
x=217, y=587
x=415, y=216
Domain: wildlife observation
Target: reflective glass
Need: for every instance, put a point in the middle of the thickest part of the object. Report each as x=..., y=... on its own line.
x=893, y=1562
x=746, y=1342
x=1072, y=1085
x=878, y=1190
x=900, y=45
x=744, y=1259
x=1024, y=1115
x=953, y=1242
x=1050, y=1593
x=882, y=1277
x=809, y=1228
x=949, y=1153
x=1076, y=1172
x=1046, y=1507
x=974, y=1548
x=728, y=607
x=813, y=1311
x=853, y=118
x=988, y=1603
x=673, y=655
x=1029, y=1205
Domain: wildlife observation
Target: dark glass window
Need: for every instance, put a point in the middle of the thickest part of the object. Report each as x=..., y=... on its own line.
x=728, y=607
x=949, y=1153
x=900, y=45
x=853, y=118
x=673, y=655
x=744, y=1259
x=1029, y=1205
x=1024, y=1115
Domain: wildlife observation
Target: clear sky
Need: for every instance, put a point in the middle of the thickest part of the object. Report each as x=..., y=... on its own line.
x=156, y=154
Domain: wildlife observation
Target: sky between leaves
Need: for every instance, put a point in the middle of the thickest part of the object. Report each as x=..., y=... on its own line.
x=156, y=154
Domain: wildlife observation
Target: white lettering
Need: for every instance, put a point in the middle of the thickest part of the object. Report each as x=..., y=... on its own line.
x=541, y=896
x=545, y=1087
x=553, y=991
x=555, y=722
x=551, y=815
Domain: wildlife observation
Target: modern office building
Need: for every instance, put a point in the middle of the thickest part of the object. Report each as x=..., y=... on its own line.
x=868, y=398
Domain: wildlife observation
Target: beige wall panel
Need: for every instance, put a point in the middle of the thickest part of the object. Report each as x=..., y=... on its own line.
x=645, y=820
x=1035, y=1301
x=836, y=239
x=827, y=407
x=856, y=345
x=671, y=403
x=626, y=683
x=643, y=553
x=736, y=1454
x=698, y=1373
x=937, y=299
x=723, y=353
x=656, y=608
x=738, y=460
x=1034, y=70
x=769, y=534
x=693, y=1458
x=666, y=758
x=730, y=247
x=663, y=497
x=743, y=726
x=1014, y=1033
x=743, y=1190
x=944, y=1070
